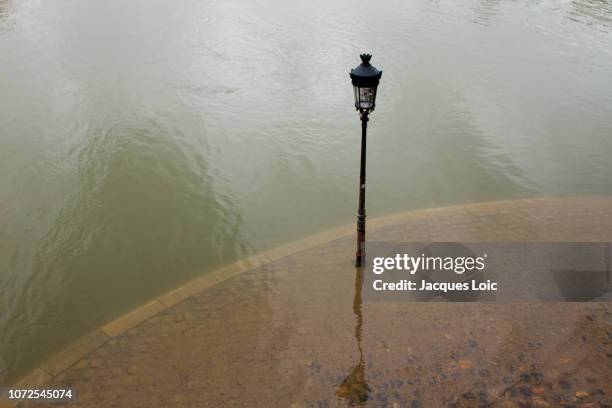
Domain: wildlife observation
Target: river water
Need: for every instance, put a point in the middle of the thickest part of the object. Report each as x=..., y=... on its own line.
x=145, y=142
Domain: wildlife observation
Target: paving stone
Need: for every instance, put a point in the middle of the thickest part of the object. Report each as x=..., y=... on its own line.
x=283, y=330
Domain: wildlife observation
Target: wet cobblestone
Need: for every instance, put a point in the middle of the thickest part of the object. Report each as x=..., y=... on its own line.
x=284, y=334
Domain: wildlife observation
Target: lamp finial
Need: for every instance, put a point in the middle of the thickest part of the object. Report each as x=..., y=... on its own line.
x=365, y=59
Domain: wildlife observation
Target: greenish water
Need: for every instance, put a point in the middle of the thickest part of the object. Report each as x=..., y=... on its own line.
x=143, y=143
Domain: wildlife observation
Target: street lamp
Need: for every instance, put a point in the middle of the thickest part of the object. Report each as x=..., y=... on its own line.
x=365, y=78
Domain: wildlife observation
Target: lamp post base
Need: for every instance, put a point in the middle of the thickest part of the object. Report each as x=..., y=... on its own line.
x=360, y=253
x=359, y=259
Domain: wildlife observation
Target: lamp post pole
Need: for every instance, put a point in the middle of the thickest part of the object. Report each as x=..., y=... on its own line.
x=361, y=214
x=365, y=79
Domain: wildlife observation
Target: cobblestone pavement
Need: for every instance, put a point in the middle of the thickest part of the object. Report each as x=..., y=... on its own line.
x=290, y=333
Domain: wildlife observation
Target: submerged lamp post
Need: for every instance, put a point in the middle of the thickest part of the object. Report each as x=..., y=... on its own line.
x=365, y=80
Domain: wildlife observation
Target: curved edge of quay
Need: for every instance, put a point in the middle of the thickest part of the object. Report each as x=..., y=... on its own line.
x=67, y=357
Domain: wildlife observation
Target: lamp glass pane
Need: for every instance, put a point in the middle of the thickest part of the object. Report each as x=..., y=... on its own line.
x=366, y=97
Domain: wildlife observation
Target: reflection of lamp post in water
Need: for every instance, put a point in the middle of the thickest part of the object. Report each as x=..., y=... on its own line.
x=365, y=80
x=354, y=388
